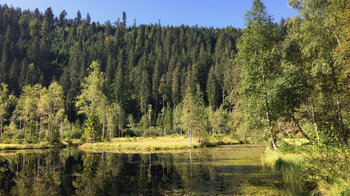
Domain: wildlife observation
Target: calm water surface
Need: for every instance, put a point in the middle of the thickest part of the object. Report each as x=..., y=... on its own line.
x=229, y=170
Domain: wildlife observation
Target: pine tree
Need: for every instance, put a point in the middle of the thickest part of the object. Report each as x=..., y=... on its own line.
x=145, y=92
x=212, y=89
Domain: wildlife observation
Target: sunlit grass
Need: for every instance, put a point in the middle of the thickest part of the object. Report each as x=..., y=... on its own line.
x=140, y=143
x=296, y=142
x=27, y=146
x=341, y=187
x=311, y=169
x=272, y=156
x=153, y=143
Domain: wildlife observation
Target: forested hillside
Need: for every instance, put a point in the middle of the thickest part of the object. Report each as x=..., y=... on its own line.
x=145, y=67
x=67, y=77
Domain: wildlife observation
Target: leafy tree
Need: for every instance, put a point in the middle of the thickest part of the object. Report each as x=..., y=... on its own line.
x=193, y=112
x=114, y=119
x=177, y=121
x=26, y=109
x=92, y=90
x=218, y=120
x=51, y=111
x=92, y=100
x=6, y=100
x=188, y=113
x=260, y=66
x=323, y=42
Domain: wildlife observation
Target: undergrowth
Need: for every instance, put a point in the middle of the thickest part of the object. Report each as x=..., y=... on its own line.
x=312, y=169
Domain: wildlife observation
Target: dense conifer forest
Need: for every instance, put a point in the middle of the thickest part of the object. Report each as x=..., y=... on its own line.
x=74, y=78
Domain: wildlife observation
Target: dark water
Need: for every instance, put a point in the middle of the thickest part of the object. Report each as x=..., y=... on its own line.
x=230, y=170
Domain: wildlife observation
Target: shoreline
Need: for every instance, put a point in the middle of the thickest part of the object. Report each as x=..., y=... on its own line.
x=11, y=146
x=151, y=144
x=141, y=144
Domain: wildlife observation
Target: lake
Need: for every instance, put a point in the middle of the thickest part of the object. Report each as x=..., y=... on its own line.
x=226, y=170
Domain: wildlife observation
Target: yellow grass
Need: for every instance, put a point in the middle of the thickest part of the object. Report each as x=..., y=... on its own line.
x=26, y=146
x=140, y=143
x=295, y=142
x=272, y=156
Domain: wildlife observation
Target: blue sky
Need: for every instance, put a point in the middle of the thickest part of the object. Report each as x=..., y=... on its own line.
x=208, y=13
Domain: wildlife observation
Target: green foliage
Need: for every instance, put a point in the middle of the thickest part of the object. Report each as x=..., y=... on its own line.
x=92, y=129
x=156, y=80
x=219, y=120
x=260, y=67
x=6, y=100
x=319, y=33
x=92, y=87
x=321, y=169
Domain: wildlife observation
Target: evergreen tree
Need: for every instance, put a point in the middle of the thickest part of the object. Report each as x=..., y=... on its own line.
x=212, y=89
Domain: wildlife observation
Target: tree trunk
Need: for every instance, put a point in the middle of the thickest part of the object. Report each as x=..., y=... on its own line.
x=190, y=137
x=25, y=131
x=156, y=103
x=313, y=118
x=339, y=108
x=272, y=134
x=164, y=119
x=299, y=128
x=103, y=132
x=1, y=130
x=223, y=96
x=40, y=129
x=267, y=111
x=199, y=136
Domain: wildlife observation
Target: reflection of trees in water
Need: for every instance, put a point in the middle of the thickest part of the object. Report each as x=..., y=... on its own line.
x=6, y=177
x=125, y=174
x=32, y=174
x=69, y=172
x=42, y=173
x=212, y=172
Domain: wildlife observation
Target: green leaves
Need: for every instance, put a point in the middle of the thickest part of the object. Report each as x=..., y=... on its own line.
x=259, y=61
x=92, y=90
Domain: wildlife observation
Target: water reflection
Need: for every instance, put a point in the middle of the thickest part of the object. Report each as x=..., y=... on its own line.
x=231, y=170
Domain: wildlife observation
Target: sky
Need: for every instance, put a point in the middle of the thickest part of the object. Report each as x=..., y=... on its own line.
x=206, y=13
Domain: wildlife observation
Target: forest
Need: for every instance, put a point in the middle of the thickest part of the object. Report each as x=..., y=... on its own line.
x=64, y=79
x=73, y=78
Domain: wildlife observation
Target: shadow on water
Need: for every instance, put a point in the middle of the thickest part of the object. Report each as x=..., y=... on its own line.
x=211, y=171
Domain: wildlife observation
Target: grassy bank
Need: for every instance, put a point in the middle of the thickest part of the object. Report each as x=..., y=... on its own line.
x=29, y=146
x=152, y=143
x=312, y=170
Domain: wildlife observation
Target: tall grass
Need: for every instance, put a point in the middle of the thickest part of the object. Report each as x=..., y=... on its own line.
x=310, y=169
x=340, y=187
x=290, y=166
